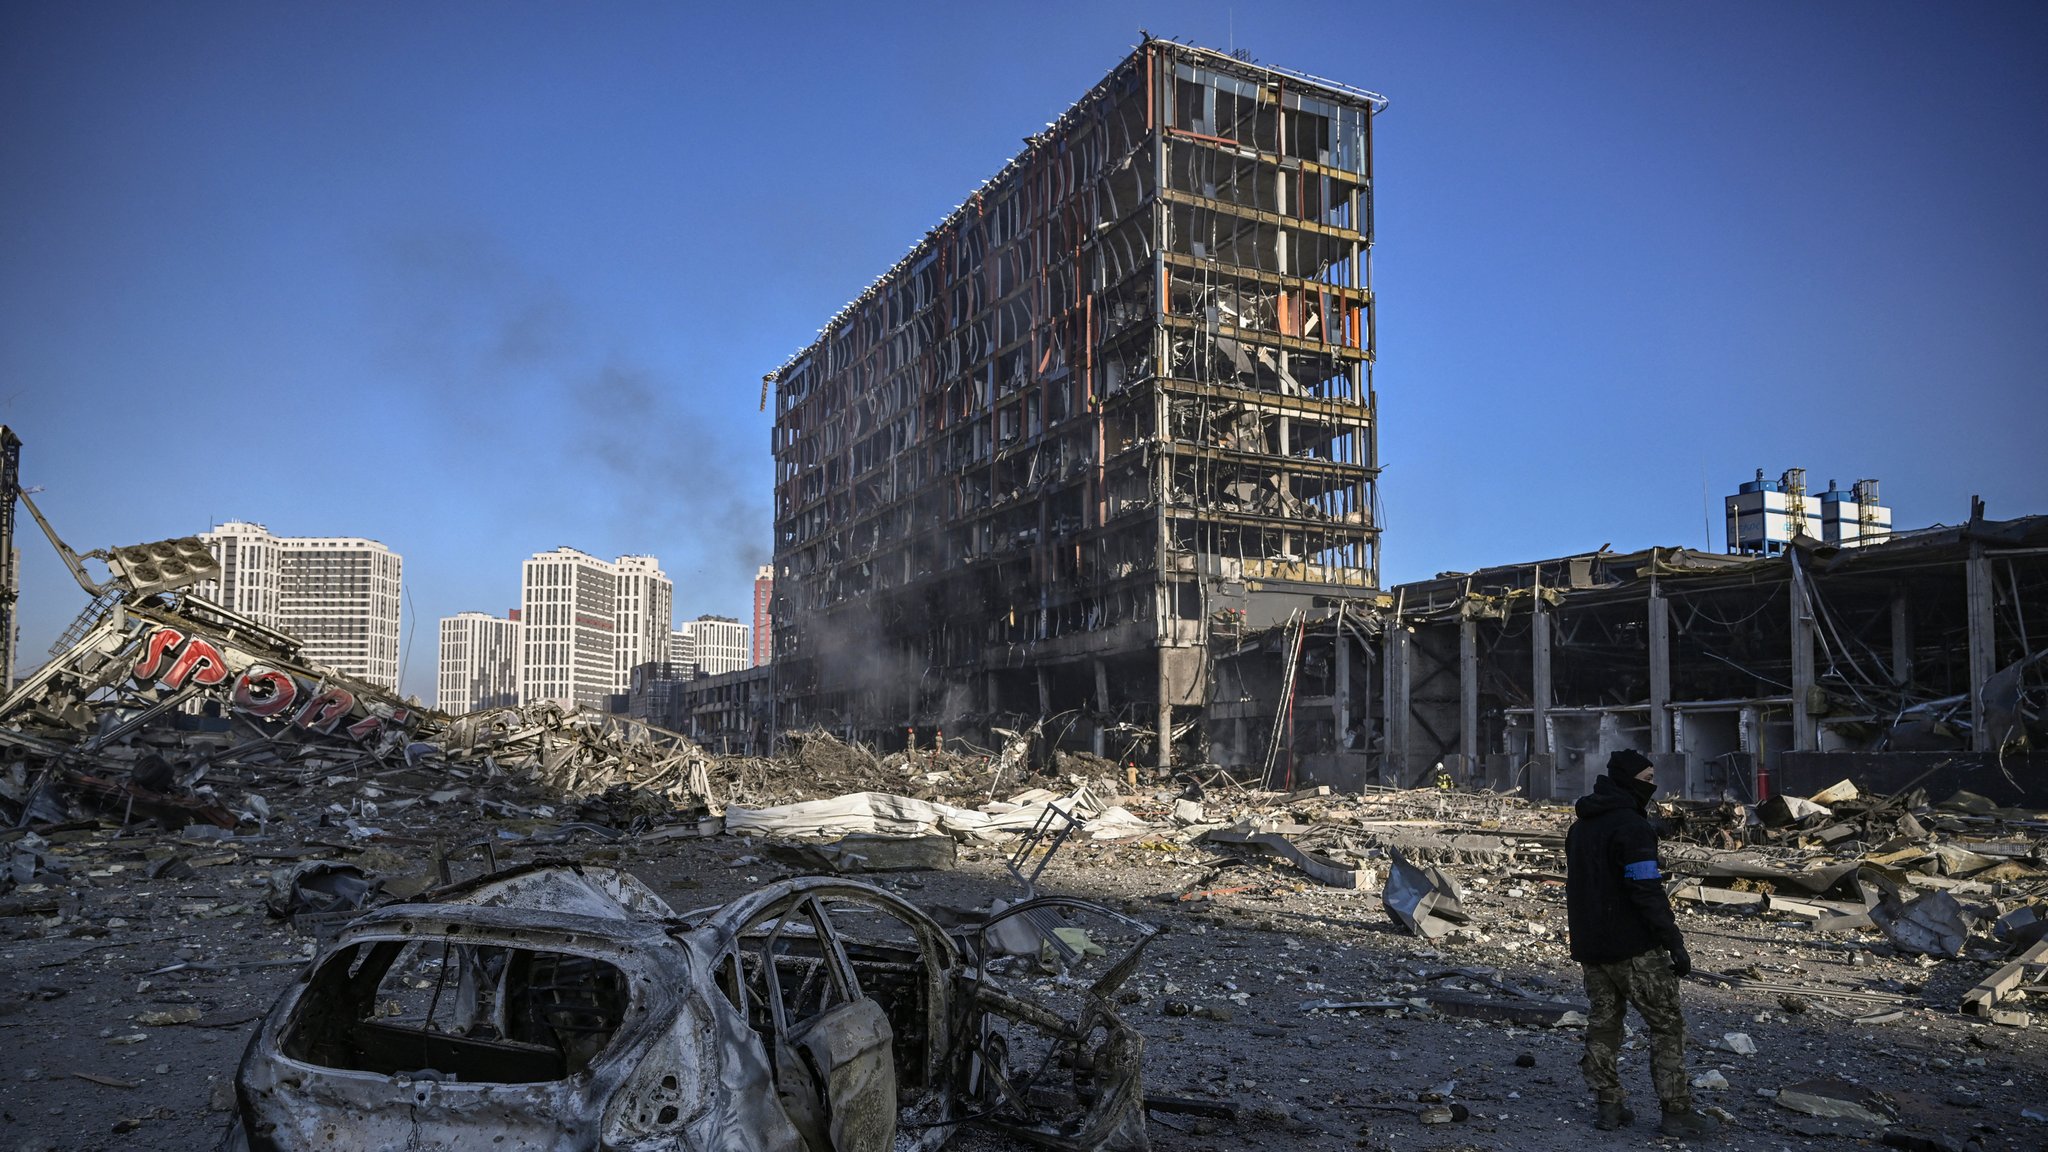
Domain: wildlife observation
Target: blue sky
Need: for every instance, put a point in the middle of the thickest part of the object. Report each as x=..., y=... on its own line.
x=478, y=280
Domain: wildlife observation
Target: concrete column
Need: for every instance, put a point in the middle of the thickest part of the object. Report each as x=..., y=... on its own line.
x=1983, y=637
x=1394, y=681
x=1342, y=712
x=1164, y=761
x=1468, y=697
x=1539, y=676
x=1660, y=670
x=1101, y=740
x=1902, y=638
x=1805, y=729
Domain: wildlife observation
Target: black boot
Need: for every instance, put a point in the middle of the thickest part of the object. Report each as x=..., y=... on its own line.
x=1613, y=1115
x=1689, y=1123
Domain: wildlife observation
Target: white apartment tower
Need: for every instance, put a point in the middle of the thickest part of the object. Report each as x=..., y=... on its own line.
x=338, y=596
x=250, y=570
x=646, y=610
x=682, y=653
x=568, y=614
x=719, y=644
x=479, y=663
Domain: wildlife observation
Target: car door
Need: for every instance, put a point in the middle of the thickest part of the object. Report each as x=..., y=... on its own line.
x=835, y=1071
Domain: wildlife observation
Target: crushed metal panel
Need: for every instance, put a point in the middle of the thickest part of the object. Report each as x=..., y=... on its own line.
x=1423, y=900
x=1931, y=925
x=1321, y=869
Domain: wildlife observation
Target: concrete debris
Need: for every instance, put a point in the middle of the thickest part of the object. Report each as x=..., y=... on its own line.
x=2031, y=967
x=157, y=808
x=2021, y=926
x=1835, y=1100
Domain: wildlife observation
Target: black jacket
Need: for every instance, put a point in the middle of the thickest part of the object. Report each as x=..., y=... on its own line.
x=1614, y=890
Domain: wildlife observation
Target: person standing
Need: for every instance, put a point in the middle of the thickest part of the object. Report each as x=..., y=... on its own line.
x=1627, y=943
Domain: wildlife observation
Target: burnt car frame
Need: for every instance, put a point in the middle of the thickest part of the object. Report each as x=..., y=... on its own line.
x=562, y=1007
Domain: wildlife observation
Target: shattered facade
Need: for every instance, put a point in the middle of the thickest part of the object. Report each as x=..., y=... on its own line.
x=1119, y=396
x=728, y=712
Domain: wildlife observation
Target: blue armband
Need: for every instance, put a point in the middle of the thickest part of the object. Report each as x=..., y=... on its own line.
x=1641, y=870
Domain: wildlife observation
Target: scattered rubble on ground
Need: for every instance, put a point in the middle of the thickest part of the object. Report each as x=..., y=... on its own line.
x=1335, y=970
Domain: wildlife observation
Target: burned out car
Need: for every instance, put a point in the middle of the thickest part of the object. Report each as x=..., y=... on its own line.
x=564, y=1007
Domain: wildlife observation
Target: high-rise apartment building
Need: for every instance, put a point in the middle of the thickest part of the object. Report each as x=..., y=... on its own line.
x=339, y=596
x=718, y=644
x=1122, y=393
x=479, y=663
x=764, y=630
x=646, y=614
x=682, y=652
x=568, y=612
x=251, y=570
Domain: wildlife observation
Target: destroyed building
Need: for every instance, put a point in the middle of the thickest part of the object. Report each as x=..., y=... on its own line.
x=1121, y=394
x=1908, y=662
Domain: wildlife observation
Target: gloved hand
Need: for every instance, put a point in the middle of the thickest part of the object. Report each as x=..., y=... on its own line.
x=1681, y=960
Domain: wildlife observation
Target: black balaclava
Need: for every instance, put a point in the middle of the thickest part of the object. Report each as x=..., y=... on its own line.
x=1622, y=768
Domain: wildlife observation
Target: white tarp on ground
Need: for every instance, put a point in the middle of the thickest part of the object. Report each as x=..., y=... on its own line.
x=881, y=812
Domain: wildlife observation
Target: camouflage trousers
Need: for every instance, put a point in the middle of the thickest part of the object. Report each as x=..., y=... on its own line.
x=1645, y=981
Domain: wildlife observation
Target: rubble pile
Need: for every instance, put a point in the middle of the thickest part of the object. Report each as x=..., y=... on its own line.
x=582, y=754
x=171, y=833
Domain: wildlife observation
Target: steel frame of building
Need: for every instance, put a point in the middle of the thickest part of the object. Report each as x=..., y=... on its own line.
x=1128, y=381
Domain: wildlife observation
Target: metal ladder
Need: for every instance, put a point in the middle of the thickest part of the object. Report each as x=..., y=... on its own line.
x=85, y=622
